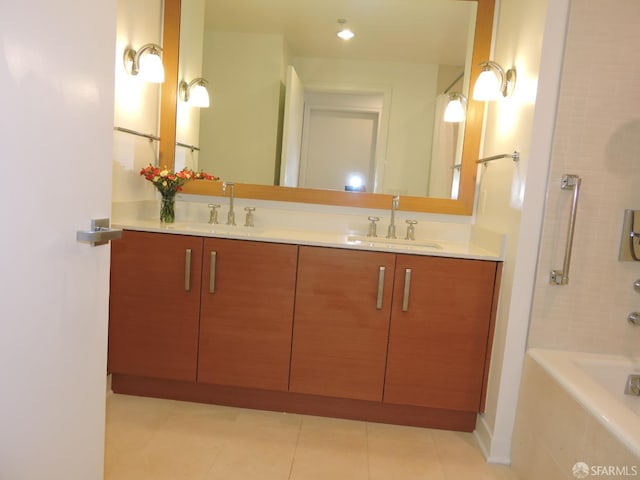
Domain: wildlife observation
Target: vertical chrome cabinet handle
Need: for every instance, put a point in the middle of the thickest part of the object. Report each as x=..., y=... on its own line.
x=380, y=288
x=212, y=272
x=407, y=287
x=187, y=270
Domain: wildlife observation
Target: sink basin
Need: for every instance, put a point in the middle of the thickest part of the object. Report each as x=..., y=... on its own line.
x=223, y=229
x=390, y=242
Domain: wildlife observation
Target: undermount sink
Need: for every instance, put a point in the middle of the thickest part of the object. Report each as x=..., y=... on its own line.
x=390, y=242
x=223, y=229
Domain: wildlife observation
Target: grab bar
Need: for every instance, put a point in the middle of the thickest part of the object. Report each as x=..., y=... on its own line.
x=561, y=277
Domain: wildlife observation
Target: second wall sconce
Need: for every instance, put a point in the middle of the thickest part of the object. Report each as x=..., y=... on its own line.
x=456, y=111
x=146, y=62
x=493, y=82
x=195, y=92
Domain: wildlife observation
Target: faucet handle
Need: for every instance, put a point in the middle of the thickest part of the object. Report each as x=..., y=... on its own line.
x=213, y=215
x=411, y=229
x=372, y=226
x=248, y=222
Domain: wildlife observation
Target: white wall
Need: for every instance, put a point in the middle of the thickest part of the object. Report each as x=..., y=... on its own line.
x=136, y=102
x=524, y=123
x=189, y=68
x=598, y=138
x=56, y=132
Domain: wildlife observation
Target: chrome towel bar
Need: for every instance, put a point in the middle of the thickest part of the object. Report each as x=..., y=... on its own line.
x=139, y=134
x=515, y=156
x=561, y=277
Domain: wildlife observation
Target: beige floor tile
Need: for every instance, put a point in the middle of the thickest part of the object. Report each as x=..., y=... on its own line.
x=331, y=449
x=504, y=472
x=149, y=439
x=403, y=453
x=183, y=445
x=132, y=420
x=456, y=447
x=261, y=446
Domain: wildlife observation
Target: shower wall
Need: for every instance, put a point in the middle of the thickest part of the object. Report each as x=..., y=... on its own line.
x=597, y=137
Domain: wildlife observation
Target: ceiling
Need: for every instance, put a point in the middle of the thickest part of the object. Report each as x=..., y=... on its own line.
x=412, y=31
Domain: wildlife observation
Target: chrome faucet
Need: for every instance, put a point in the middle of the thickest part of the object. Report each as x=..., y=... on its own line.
x=391, y=232
x=231, y=216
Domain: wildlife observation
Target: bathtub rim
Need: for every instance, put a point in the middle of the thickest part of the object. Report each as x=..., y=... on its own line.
x=616, y=417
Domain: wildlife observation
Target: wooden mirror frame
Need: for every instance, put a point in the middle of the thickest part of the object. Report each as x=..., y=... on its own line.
x=463, y=205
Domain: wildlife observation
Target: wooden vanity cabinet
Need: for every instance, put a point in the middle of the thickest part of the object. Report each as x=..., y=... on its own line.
x=246, y=313
x=154, y=305
x=340, y=327
x=439, y=341
x=367, y=335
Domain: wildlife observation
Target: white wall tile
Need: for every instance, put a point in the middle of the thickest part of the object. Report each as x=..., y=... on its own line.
x=597, y=137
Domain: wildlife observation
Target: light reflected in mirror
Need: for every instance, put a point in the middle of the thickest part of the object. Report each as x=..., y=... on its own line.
x=298, y=107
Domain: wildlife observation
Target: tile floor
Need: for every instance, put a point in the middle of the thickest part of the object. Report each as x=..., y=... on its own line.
x=163, y=439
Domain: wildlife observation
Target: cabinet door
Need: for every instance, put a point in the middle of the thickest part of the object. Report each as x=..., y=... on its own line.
x=154, y=305
x=437, y=343
x=341, y=324
x=247, y=313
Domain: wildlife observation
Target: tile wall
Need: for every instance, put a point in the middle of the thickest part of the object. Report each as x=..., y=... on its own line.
x=598, y=138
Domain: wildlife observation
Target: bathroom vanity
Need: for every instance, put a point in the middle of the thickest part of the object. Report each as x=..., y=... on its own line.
x=351, y=329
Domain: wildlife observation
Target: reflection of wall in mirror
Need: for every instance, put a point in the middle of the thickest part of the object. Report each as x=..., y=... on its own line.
x=239, y=136
x=190, y=67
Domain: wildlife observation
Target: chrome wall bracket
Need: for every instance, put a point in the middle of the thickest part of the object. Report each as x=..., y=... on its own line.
x=100, y=233
x=630, y=242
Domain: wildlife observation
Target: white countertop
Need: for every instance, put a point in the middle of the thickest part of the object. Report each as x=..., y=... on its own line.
x=350, y=240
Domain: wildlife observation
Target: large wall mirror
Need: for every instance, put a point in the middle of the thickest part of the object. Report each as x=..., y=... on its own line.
x=296, y=113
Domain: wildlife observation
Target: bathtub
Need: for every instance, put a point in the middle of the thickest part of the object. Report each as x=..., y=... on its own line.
x=597, y=383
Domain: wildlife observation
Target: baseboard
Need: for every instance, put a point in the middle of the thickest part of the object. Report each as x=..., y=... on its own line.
x=484, y=437
x=283, y=401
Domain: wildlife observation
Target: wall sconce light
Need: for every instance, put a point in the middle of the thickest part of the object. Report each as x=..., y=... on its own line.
x=146, y=62
x=195, y=92
x=494, y=81
x=456, y=110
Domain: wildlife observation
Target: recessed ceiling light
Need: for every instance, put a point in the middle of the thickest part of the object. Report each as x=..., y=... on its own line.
x=344, y=33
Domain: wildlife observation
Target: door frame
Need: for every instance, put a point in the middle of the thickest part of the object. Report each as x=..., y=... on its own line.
x=385, y=92
x=309, y=109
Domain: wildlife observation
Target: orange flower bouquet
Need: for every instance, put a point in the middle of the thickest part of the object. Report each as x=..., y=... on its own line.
x=168, y=183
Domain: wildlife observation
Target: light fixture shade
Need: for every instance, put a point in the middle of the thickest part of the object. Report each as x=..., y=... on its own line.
x=455, y=111
x=488, y=86
x=199, y=96
x=195, y=92
x=151, y=68
x=493, y=82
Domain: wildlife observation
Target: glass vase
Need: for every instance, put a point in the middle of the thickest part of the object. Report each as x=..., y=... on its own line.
x=168, y=208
